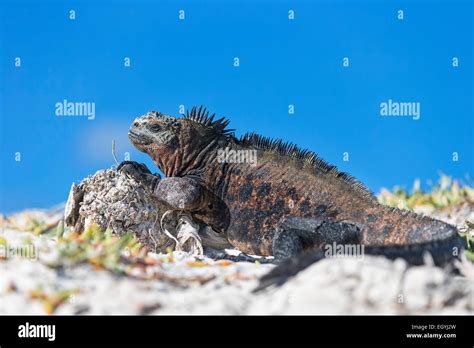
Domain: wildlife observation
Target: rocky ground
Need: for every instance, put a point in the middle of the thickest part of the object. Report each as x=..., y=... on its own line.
x=55, y=278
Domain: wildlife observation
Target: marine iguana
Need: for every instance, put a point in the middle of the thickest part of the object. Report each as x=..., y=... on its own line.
x=289, y=202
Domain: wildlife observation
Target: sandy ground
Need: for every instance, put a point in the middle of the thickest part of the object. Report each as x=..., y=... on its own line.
x=183, y=284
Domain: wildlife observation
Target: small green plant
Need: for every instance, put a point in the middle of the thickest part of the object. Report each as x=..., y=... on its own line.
x=468, y=234
x=51, y=301
x=445, y=193
x=99, y=248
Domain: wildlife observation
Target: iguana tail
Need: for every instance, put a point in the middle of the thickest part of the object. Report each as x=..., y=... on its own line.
x=442, y=251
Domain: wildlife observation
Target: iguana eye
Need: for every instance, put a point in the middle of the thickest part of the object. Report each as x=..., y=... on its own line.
x=154, y=127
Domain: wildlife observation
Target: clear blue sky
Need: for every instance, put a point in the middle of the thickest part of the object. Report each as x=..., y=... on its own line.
x=189, y=62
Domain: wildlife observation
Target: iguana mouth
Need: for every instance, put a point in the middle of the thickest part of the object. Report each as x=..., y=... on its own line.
x=139, y=139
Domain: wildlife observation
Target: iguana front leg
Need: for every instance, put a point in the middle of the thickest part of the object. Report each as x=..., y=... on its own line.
x=182, y=193
x=186, y=193
x=178, y=193
x=140, y=173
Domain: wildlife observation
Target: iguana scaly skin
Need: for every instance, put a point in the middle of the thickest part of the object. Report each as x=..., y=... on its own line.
x=287, y=202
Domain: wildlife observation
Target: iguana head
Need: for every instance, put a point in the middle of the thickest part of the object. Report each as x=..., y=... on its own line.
x=179, y=145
